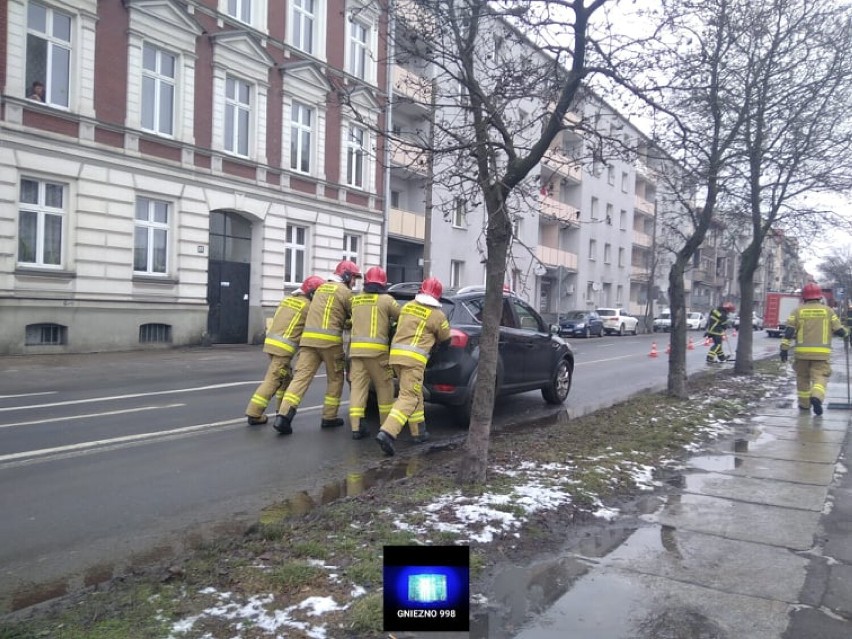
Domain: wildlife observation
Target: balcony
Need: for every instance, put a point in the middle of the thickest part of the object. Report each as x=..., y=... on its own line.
x=553, y=208
x=409, y=156
x=414, y=87
x=645, y=172
x=407, y=224
x=642, y=239
x=554, y=258
x=639, y=273
x=643, y=206
x=703, y=276
x=563, y=165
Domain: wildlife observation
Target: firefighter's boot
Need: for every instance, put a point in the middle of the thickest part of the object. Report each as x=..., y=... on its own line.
x=385, y=440
x=422, y=436
x=282, y=422
x=256, y=421
x=816, y=404
x=361, y=432
x=331, y=423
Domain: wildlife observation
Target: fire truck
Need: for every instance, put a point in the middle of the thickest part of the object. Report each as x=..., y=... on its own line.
x=779, y=306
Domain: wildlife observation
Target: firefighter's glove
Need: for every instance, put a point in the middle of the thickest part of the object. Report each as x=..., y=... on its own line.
x=784, y=355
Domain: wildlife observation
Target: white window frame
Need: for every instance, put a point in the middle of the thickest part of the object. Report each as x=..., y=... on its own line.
x=607, y=257
x=610, y=175
x=299, y=130
x=594, y=208
x=303, y=25
x=152, y=228
x=456, y=273
x=235, y=107
x=621, y=254
x=358, y=46
x=53, y=95
x=295, y=254
x=459, y=213
x=160, y=81
x=609, y=211
x=352, y=247
x=241, y=10
x=43, y=211
x=362, y=20
x=622, y=220
x=593, y=249
x=624, y=179
x=357, y=157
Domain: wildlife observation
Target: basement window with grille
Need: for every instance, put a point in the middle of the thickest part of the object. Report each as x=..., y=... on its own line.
x=46, y=335
x=155, y=334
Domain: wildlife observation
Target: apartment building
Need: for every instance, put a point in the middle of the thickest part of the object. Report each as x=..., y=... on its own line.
x=168, y=167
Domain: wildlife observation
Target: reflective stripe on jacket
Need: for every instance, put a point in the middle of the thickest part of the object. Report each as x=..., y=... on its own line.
x=812, y=325
x=284, y=333
x=718, y=321
x=329, y=310
x=419, y=328
x=373, y=316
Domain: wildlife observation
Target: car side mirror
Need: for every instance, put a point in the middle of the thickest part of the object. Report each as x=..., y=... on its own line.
x=554, y=329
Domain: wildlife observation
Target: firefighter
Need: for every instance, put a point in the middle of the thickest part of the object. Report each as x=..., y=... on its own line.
x=811, y=325
x=716, y=325
x=422, y=325
x=374, y=315
x=322, y=343
x=281, y=343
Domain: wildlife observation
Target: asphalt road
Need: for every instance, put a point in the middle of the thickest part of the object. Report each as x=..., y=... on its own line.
x=110, y=460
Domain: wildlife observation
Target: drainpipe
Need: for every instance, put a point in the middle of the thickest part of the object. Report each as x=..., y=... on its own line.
x=383, y=247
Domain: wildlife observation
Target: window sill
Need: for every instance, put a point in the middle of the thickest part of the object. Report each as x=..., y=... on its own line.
x=153, y=279
x=23, y=271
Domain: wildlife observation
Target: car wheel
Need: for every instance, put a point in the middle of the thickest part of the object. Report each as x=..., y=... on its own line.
x=559, y=385
x=635, y=328
x=621, y=331
x=587, y=333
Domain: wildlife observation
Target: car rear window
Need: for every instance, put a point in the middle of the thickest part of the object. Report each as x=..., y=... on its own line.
x=606, y=312
x=575, y=315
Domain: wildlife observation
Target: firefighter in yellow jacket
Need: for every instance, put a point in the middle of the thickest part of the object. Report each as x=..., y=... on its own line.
x=422, y=325
x=374, y=314
x=281, y=344
x=322, y=343
x=811, y=326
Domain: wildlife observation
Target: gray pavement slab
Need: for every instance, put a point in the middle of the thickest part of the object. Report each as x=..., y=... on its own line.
x=785, y=470
x=786, y=494
x=764, y=445
x=759, y=523
x=618, y=604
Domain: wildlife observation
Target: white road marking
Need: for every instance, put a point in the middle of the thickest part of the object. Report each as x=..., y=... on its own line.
x=27, y=395
x=112, y=412
x=609, y=359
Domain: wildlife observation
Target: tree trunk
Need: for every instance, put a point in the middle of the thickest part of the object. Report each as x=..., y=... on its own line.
x=745, y=337
x=677, y=305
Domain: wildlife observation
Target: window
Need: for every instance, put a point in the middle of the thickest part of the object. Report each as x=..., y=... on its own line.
x=237, y=115
x=456, y=273
x=155, y=334
x=240, y=9
x=609, y=212
x=294, y=254
x=302, y=19
x=593, y=248
x=619, y=295
x=607, y=253
x=41, y=223
x=621, y=257
x=158, y=89
x=151, y=237
x=622, y=220
x=49, y=53
x=459, y=213
x=624, y=181
x=355, y=155
x=395, y=199
x=301, y=131
x=358, y=49
x=610, y=175
x=527, y=319
x=594, y=208
x=351, y=246
x=46, y=335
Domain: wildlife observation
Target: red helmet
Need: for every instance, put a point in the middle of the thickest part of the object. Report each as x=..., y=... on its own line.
x=432, y=286
x=811, y=291
x=311, y=284
x=376, y=275
x=729, y=306
x=347, y=270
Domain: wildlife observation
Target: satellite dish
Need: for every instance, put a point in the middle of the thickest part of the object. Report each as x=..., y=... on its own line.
x=596, y=286
x=540, y=270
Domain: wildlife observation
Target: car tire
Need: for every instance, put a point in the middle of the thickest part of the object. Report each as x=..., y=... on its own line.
x=587, y=333
x=559, y=386
x=621, y=331
x=635, y=328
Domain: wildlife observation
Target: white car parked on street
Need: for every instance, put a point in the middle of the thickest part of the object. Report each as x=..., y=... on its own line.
x=696, y=321
x=616, y=321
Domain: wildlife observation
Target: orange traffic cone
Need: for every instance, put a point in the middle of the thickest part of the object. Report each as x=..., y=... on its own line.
x=653, y=352
x=690, y=346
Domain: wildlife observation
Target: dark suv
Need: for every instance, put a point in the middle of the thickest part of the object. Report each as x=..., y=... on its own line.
x=530, y=356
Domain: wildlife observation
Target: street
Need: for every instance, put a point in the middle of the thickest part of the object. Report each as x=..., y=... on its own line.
x=111, y=459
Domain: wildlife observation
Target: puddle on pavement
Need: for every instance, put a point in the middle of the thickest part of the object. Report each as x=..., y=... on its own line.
x=353, y=484
x=717, y=463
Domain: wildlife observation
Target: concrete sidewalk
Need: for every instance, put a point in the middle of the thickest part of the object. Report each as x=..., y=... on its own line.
x=755, y=544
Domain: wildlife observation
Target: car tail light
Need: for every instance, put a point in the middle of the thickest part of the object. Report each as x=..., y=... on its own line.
x=458, y=339
x=443, y=388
